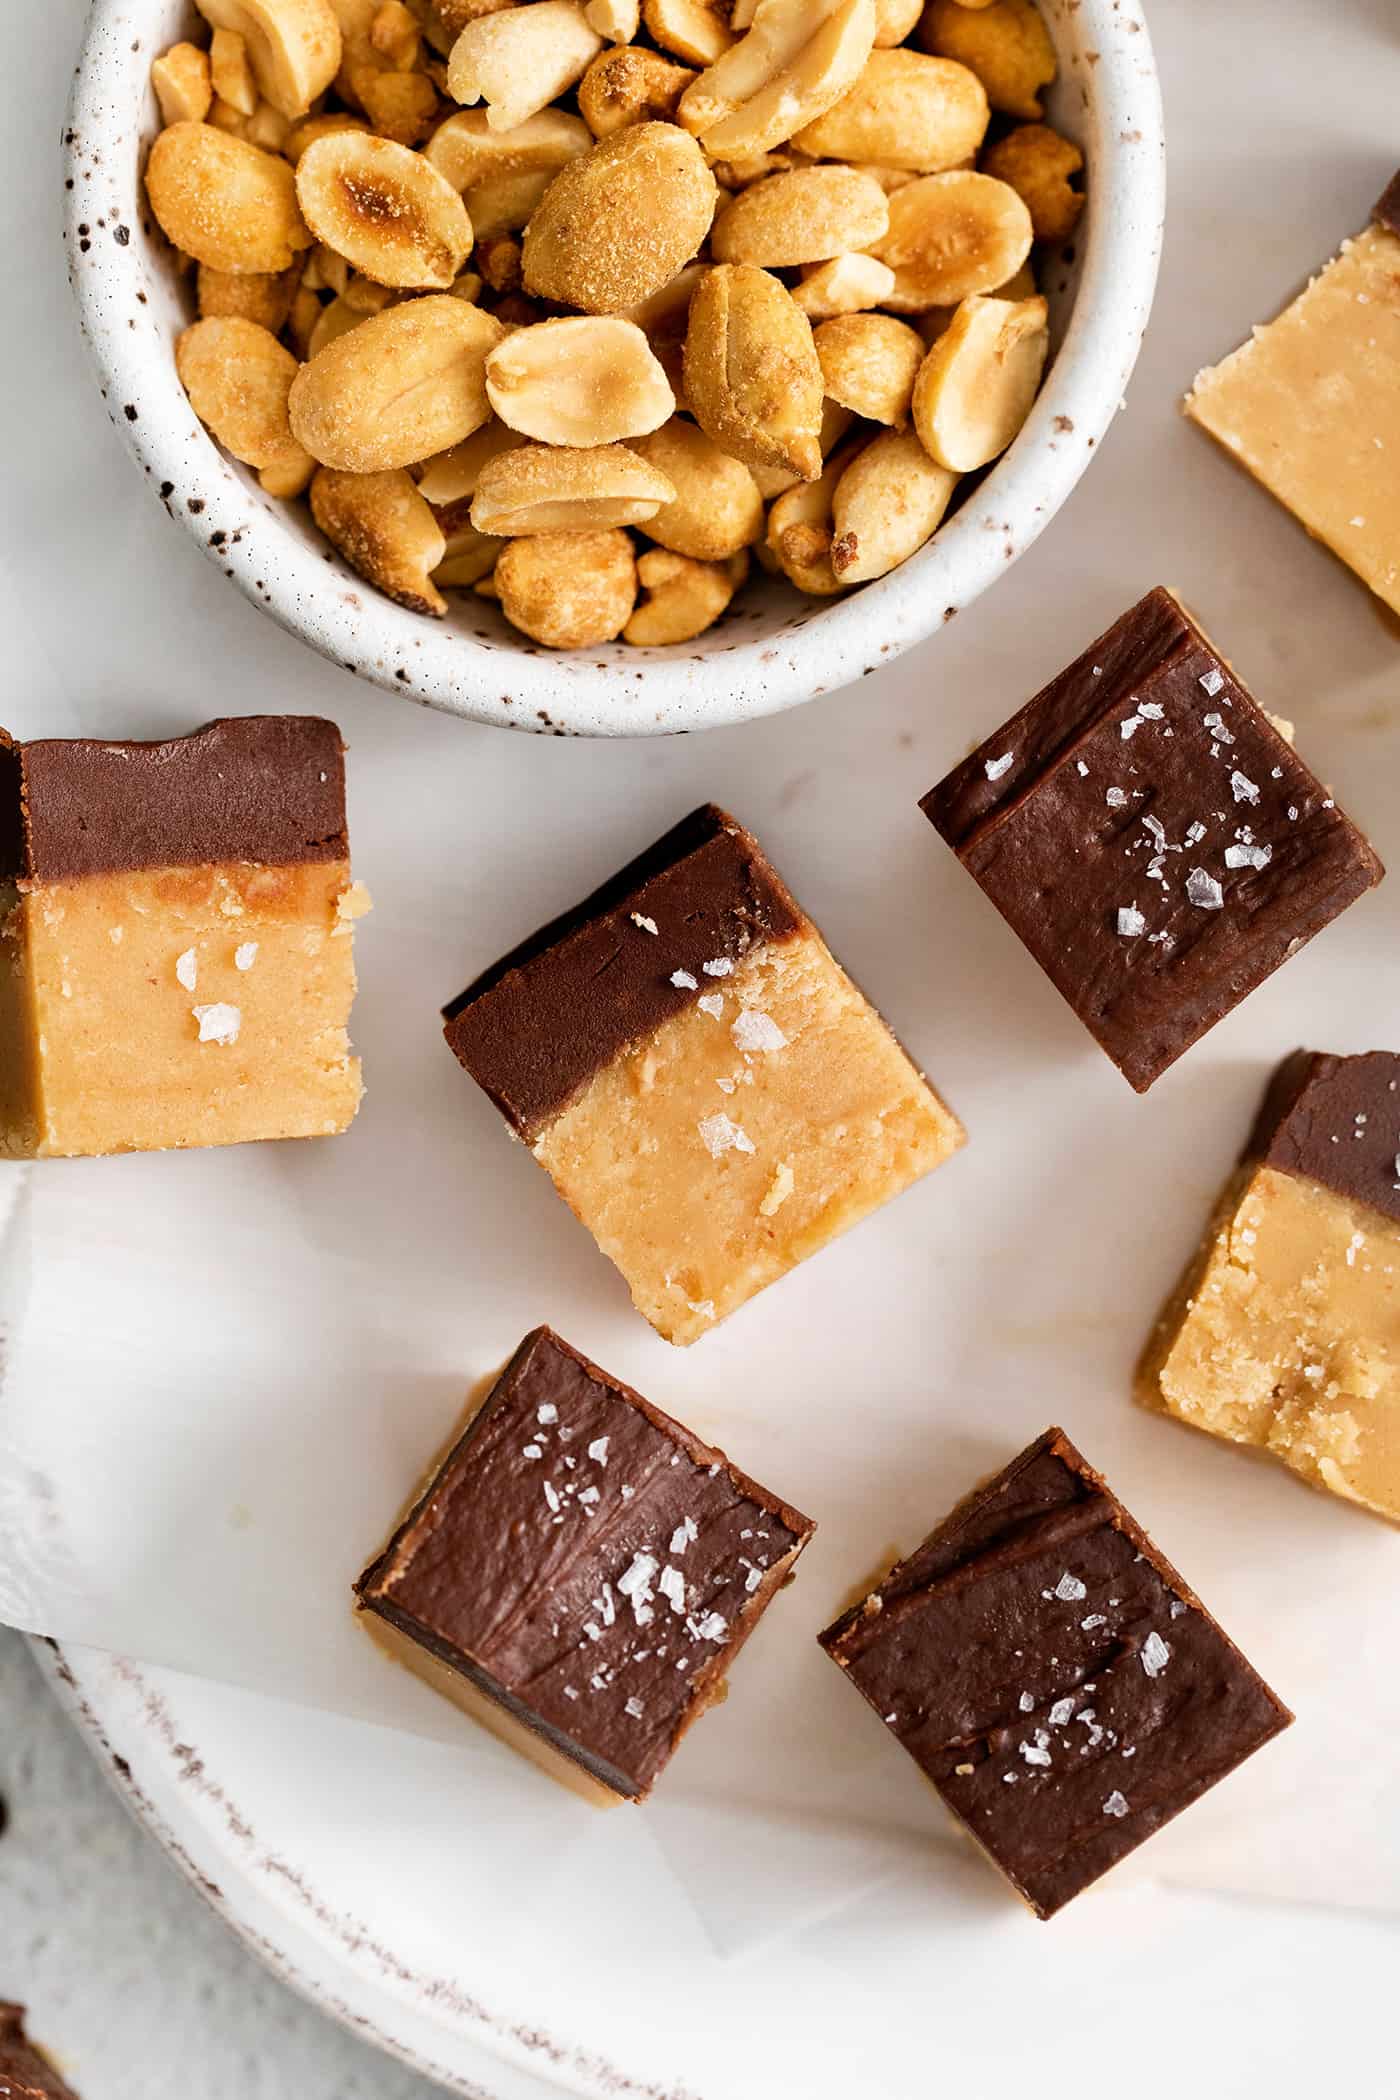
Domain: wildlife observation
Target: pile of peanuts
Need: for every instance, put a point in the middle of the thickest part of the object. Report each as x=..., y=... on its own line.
x=580, y=304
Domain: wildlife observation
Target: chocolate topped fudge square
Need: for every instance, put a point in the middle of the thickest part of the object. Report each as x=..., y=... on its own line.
x=1284, y=1332
x=25, y=2072
x=709, y=1092
x=581, y=1571
x=1153, y=839
x=1052, y=1674
x=175, y=952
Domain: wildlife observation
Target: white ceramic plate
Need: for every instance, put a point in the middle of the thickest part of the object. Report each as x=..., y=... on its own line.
x=777, y=649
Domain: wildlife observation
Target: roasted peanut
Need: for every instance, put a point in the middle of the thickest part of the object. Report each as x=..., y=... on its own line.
x=331, y=323
x=468, y=152
x=238, y=378
x=499, y=263
x=400, y=106
x=905, y=111
x=506, y=203
x=385, y=209
x=751, y=373
x=396, y=36
x=325, y=271
x=630, y=85
x=312, y=128
x=807, y=216
x=616, y=21
x=568, y=590
x=302, y=321
x=544, y=488
x=716, y=509
x=776, y=481
x=978, y=382
x=1040, y=166
x=452, y=476
x=1006, y=44
x=251, y=297
x=366, y=295
x=386, y=531
x=797, y=59
x=470, y=555
x=590, y=380
x=294, y=46
x=223, y=201
x=692, y=29
x=895, y=20
x=889, y=501
x=442, y=21
x=182, y=83
x=402, y=386
x=230, y=73
x=663, y=319
x=518, y=61
x=799, y=530
x=869, y=364
x=849, y=284
x=618, y=223
x=684, y=597
x=950, y=236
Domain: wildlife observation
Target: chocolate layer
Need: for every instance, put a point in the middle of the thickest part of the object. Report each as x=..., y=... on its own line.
x=1335, y=1120
x=262, y=788
x=1387, y=211
x=525, y=1564
x=25, y=2073
x=1154, y=841
x=1053, y=1675
x=535, y=1028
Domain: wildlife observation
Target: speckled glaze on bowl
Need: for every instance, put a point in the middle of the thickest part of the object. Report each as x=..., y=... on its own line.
x=774, y=649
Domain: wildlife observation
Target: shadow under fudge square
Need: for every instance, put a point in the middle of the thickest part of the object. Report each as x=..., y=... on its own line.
x=580, y=1572
x=25, y=2071
x=1154, y=840
x=1049, y=1671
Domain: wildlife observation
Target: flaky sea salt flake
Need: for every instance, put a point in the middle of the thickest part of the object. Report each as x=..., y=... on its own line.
x=995, y=767
x=1115, y=1804
x=1204, y=891
x=218, y=1023
x=1155, y=1654
x=718, y=1135
x=753, y=1030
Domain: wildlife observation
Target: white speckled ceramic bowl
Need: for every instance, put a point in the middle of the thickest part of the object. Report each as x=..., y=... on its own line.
x=775, y=649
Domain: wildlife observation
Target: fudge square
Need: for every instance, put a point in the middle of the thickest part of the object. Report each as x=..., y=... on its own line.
x=25, y=2072
x=1311, y=404
x=1152, y=837
x=1052, y=1674
x=580, y=1572
x=1284, y=1332
x=175, y=940
x=709, y=1092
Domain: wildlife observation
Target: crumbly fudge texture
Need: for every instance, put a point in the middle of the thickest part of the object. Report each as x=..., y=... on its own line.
x=176, y=954
x=1152, y=837
x=712, y=1096
x=25, y=2072
x=581, y=1570
x=1311, y=404
x=1053, y=1676
x=1284, y=1333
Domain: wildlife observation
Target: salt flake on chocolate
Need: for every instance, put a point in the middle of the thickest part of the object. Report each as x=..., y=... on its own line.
x=720, y=967
x=1211, y=682
x=1243, y=788
x=1130, y=921
x=684, y=982
x=1155, y=1655
x=639, y=918
x=1204, y=891
x=1115, y=1804
x=995, y=767
x=1070, y=1590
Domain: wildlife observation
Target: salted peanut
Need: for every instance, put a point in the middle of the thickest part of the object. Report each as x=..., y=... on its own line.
x=775, y=481
x=543, y=488
x=905, y=111
x=584, y=381
x=303, y=320
x=618, y=223
x=869, y=364
x=366, y=296
x=312, y=128
x=400, y=106
x=978, y=382
x=663, y=319
x=266, y=299
x=745, y=168
x=238, y=377
x=807, y=216
x=230, y=73
x=889, y=501
x=469, y=152
x=290, y=480
x=951, y=236
x=470, y=555
x=400, y=387
x=716, y=509
x=395, y=34
x=499, y=261
x=294, y=46
x=386, y=531
x=225, y=202
x=182, y=83
x=1041, y=166
x=616, y=21
x=518, y=61
x=568, y=590
x=452, y=477
x=467, y=286
x=797, y=58
x=751, y=372
x=1006, y=44
x=331, y=323
x=505, y=203
x=386, y=210
x=895, y=20
x=442, y=21
x=268, y=128
x=684, y=597
x=630, y=85
x=694, y=30
x=325, y=271
x=800, y=529
x=849, y=284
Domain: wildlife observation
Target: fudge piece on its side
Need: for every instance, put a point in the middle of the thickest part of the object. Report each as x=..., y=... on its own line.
x=25, y=2071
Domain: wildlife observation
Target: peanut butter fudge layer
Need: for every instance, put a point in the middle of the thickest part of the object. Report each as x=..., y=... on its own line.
x=1311, y=403
x=1052, y=1674
x=709, y=1092
x=176, y=959
x=25, y=2072
x=1284, y=1332
x=581, y=1571
x=1152, y=837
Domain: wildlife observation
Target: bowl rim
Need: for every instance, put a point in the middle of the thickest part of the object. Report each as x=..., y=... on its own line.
x=725, y=679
